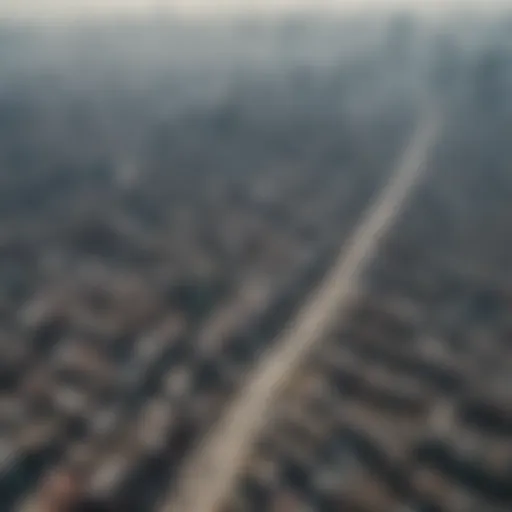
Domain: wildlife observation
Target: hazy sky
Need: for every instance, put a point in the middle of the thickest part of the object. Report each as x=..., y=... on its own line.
x=59, y=8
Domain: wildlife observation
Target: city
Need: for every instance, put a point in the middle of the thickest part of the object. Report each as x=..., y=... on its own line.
x=172, y=196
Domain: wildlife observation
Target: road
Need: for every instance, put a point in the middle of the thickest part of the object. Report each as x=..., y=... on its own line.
x=211, y=470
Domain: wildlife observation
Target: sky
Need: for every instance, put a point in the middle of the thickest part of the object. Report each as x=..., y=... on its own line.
x=76, y=8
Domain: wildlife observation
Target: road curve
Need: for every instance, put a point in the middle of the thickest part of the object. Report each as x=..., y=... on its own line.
x=210, y=471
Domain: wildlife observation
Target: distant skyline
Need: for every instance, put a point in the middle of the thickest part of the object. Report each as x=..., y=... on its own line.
x=77, y=8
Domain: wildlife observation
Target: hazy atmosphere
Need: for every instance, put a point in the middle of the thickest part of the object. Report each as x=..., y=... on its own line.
x=73, y=8
x=255, y=263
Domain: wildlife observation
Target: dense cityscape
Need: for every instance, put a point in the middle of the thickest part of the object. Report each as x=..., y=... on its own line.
x=171, y=195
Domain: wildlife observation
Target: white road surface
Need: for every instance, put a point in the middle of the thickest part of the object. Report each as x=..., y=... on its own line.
x=211, y=471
